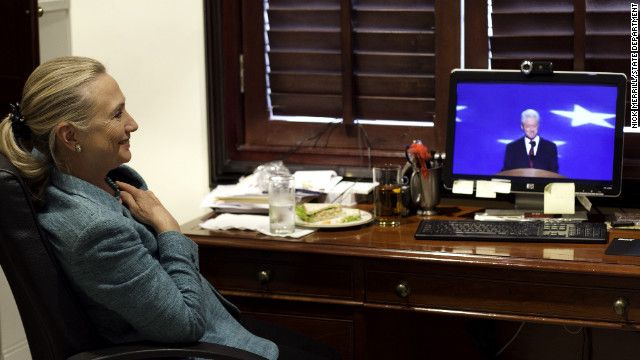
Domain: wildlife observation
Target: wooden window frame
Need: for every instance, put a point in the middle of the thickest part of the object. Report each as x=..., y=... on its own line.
x=230, y=109
x=20, y=46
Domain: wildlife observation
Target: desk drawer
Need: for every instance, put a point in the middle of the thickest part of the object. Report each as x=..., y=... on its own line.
x=497, y=296
x=279, y=273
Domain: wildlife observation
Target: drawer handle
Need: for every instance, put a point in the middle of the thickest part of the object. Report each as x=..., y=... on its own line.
x=402, y=289
x=621, y=306
x=264, y=276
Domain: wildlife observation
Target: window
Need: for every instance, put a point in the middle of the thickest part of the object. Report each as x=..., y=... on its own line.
x=318, y=82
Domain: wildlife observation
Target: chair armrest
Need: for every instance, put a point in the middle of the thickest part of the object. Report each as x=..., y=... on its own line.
x=153, y=351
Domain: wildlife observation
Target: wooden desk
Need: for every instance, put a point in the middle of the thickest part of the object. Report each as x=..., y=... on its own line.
x=339, y=285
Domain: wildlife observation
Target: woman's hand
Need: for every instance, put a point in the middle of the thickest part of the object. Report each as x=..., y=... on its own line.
x=146, y=208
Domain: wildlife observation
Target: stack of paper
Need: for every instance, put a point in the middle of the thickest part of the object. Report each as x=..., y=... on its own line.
x=235, y=198
x=248, y=196
x=316, y=180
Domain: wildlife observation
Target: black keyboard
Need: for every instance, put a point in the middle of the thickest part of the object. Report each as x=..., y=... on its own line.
x=513, y=231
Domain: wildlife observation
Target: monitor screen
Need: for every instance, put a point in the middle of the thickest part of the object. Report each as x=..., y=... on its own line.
x=532, y=130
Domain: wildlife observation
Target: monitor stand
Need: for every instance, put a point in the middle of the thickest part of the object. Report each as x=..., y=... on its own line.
x=524, y=204
x=529, y=202
x=528, y=206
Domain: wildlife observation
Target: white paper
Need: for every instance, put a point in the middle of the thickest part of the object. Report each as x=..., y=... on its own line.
x=344, y=193
x=584, y=201
x=316, y=180
x=362, y=188
x=236, y=198
x=259, y=223
x=501, y=186
x=247, y=195
x=462, y=187
x=485, y=189
x=559, y=198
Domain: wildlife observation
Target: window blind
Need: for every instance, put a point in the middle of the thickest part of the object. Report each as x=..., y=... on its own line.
x=304, y=57
x=533, y=30
x=394, y=59
x=386, y=51
x=588, y=35
x=607, y=36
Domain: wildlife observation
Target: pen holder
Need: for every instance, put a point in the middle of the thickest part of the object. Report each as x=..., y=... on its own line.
x=424, y=191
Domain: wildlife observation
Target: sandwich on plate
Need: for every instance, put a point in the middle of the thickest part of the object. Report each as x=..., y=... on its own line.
x=325, y=213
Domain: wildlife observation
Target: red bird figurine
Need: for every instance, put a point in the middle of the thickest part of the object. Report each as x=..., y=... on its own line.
x=421, y=153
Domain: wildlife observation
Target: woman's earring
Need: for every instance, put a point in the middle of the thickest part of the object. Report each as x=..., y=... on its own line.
x=78, y=148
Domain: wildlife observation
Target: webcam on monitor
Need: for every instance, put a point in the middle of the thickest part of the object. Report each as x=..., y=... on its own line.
x=528, y=67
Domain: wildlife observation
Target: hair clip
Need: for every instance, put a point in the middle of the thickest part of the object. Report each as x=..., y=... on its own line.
x=20, y=129
x=16, y=113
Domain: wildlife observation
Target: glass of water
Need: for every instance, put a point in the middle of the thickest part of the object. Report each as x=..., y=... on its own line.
x=282, y=201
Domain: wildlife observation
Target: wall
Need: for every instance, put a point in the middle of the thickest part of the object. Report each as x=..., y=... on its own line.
x=155, y=50
x=13, y=341
x=54, y=29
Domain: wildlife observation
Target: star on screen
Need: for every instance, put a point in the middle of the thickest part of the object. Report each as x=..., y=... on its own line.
x=458, y=108
x=581, y=116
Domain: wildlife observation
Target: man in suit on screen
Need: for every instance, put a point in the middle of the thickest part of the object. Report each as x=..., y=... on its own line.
x=531, y=151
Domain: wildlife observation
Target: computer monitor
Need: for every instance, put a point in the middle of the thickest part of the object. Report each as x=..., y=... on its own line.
x=579, y=133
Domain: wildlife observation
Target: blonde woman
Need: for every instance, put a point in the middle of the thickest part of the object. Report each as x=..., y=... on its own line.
x=135, y=273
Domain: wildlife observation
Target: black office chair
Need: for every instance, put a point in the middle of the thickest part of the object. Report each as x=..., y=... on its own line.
x=55, y=325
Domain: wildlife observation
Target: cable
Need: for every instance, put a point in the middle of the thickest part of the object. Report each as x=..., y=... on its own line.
x=366, y=136
x=329, y=129
x=510, y=340
x=363, y=138
x=339, y=197
x=367, y=143
x=326, y=143
x=317, y=135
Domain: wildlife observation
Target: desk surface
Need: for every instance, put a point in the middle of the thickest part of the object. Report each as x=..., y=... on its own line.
x=373, y=241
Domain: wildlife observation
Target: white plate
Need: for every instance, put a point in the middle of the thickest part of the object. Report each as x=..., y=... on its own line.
x=365, y=217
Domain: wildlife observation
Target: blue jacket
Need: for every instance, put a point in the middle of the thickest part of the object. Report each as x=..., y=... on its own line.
x=135, y=284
